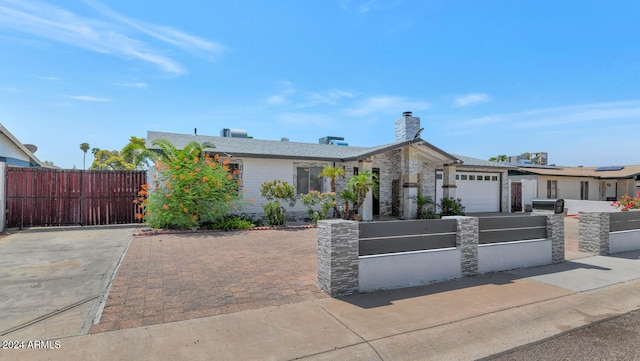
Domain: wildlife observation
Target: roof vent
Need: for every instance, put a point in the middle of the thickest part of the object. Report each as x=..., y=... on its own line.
x=338, y=142
x=284, y=139
x=407, y=114
x=233, y=133
x=328, y=139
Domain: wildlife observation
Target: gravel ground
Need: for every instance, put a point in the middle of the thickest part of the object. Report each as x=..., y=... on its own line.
x=614, y=339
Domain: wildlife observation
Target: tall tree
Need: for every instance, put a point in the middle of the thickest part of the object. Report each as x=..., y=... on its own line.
x=136, y=153
x=84, y=147
x=500, y=158
x=110, y=160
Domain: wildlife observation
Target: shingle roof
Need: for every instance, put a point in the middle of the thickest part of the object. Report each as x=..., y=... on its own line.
x=475, y=162
x=239, y=147
x=627, y=171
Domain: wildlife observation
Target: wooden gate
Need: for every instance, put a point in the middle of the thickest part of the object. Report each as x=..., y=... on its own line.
x=54, y=197
x=516, y=197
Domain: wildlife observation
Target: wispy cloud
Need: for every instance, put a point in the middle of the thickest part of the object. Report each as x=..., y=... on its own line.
x=163, y=33
x=50, y=78
x=140, y=85
x=295, y=98
x=331, y=97
x=557, y=116
x=365, y=7
x=11, y=90
x=469, y=99
x=386, y=105
x=101, y=34
x=87, y=98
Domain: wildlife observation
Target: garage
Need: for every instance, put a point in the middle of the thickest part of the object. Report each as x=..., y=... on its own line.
x=479, y=191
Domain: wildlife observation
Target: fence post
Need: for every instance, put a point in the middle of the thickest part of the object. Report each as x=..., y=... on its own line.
x=467, y=237
x=3, y=195
x=338, y=257
x=555, y=231
x=593, y=232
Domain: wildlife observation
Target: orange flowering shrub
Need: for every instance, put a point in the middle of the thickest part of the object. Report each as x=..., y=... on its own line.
x=186, y=201
x=142, y=201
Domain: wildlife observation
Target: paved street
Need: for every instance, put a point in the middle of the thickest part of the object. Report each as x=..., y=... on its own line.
x=614, y=339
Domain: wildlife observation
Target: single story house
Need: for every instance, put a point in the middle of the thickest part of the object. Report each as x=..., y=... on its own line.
x=16, y=154
x=405, y=167
x=606, y=184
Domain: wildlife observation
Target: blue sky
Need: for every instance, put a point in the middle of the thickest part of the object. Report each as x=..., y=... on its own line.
x=486, y=77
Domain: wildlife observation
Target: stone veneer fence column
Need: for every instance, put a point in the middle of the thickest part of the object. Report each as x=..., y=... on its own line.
x=338, y=250
x=467, y=232
x=555, y=231
x=593, y=232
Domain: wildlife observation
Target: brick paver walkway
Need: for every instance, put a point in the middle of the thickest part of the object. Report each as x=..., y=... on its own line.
x=166, y=278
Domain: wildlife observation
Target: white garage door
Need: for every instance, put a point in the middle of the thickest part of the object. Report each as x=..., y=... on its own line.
x=480, y=192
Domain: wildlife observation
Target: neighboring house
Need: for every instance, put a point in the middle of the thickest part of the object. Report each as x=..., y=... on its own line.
x=572, y=183
x=406, y=167
x=16, y=154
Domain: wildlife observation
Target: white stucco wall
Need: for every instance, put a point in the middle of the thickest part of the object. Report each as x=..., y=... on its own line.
x=496, y=257
x=256, y=171
x=408, y=269
x=574, y=206
x=10, y=150
x=569, y=187
x=624, y=241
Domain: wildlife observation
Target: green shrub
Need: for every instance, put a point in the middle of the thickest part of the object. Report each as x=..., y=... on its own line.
x=313, y=198
x=192, y=188
x=230, y=223
x=274, y=192
x=424, y=203
x=451, y=207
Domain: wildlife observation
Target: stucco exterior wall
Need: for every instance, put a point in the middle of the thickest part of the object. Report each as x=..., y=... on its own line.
x=569, y=187
x=256, y=171
x=11, y=154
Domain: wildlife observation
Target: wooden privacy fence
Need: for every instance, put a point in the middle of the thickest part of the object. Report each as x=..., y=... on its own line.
x=53, y=197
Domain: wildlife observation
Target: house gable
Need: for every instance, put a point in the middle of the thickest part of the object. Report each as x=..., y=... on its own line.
x=16, y=154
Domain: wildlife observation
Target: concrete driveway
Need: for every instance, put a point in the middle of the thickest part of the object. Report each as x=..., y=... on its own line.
x=54, y=280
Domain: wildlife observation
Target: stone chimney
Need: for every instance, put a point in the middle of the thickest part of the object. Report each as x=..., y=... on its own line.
x=407, y=126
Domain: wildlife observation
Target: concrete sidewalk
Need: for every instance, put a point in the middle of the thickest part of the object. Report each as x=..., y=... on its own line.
x=464, y=319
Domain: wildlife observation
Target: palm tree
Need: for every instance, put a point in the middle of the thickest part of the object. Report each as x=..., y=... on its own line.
x=500, y=158
x=84, y=147
x=333, y=173
x=137, y=153
x=355, y=192
x=170, y=152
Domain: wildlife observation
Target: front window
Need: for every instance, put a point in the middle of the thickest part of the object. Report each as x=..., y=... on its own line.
x=584, y=191
x=307, y=179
